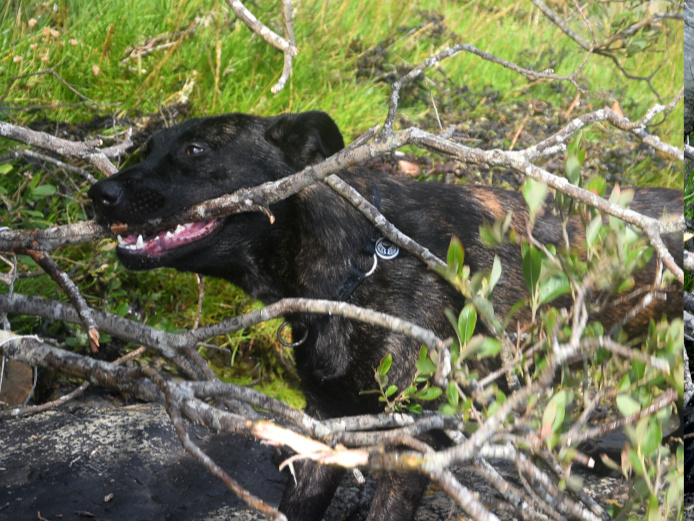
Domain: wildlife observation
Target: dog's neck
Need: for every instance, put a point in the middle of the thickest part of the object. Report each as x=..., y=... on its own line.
x=317, y=248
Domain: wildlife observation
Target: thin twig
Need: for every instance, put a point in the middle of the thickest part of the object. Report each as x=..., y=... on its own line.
x=287, y=46
x=60, y=164
x=72, y=291
x=87, y=150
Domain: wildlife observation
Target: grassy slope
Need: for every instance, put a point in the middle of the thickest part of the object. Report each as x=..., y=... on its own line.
x=233, y=70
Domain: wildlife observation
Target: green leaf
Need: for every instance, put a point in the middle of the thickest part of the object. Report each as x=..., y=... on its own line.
x=621, y=197
x=456, y=257
x=495, y=274
x=534, y=193
x=6, y=168
x=414, y=408
x=43, y=190
x=448, y=409
x=593, y=229
x=625, y=285
x=385, y=364
x=488, y=236
x=637, y=464
x=392, y=389
x=653, y=510
x=549, y=418
x=452, y=394
x=638, y=368
x=122, y=309
x=636, y=46
x=532, y=265
x=32, y=213
x=652, y=439
x=553, y=288
x=466, y=323
x=424, y=364
x=554, y=414
x=597, y=185
x=429, y=393
x=574, y=483
x=610, y=463
x=576, y=149
x=486, y=309
x=627, y=405
x=573, y=170
x=481, y=346
x=490, y=347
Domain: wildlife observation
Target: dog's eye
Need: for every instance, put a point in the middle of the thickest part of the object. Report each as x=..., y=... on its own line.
x=194, y=150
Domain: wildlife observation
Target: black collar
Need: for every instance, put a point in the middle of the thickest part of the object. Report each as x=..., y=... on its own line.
x=374, y=246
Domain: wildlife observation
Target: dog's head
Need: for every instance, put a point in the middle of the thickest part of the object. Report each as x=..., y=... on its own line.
x=198, y=160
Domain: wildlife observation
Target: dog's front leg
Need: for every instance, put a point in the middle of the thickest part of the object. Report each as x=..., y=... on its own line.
x=310, y=496
x=397, y=496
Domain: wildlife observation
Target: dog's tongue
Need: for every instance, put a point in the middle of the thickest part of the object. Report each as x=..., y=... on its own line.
x=167, y=240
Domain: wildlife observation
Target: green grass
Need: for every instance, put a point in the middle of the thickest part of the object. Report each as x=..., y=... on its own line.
x=230, y=70
x=239, y=77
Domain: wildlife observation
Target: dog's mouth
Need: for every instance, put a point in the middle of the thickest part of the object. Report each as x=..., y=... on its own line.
x=162, y=242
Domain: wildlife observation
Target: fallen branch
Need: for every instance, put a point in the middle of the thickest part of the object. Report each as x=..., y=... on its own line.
x=175, y=345
x=187, y=399
x=78, y=391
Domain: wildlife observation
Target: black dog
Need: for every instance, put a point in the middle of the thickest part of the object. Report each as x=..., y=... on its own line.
x=321, y=247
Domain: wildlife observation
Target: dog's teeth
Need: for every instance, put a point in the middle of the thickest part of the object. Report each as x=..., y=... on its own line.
x=169, y=235
x=179, y=229
x=140, y=242
x=121, y=242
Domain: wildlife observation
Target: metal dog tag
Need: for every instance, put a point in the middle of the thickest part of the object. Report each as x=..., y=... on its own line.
x=386, y=249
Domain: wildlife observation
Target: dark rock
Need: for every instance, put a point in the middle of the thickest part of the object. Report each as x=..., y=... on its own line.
x=95, y=461
x=66, y=462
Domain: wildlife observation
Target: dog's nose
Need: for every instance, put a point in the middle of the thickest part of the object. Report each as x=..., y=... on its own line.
x=106, y=194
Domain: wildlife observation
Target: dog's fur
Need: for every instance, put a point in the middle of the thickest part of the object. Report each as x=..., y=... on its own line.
x=314, y=248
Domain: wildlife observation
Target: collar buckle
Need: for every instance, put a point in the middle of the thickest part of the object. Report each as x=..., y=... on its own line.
x=386, y=249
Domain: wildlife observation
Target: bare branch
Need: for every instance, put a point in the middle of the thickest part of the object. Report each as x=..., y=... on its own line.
x=87, y=150
x=287, y=46
x=72, y=291
x=177, y=349
x=381, y=223
x=452, y=51
x=462, y=495
x=78, y=391
x=668, y=397
x=288, y=54
x=168, y=343
x=556, y=19
x=604, y=47
x=60, y=164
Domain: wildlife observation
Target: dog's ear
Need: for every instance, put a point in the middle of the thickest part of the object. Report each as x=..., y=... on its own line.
x=306, y=138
